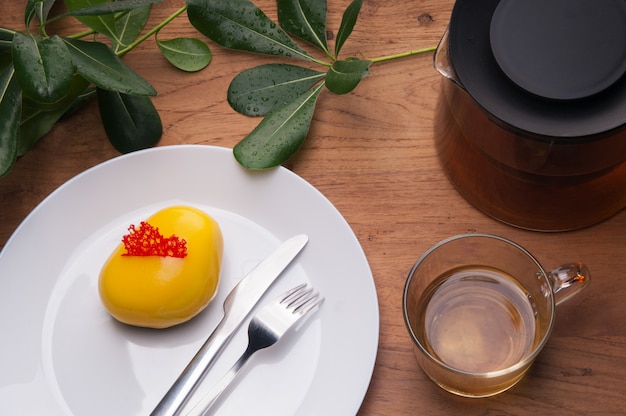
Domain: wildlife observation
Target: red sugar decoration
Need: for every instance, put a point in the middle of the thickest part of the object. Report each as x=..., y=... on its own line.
x=148, y=241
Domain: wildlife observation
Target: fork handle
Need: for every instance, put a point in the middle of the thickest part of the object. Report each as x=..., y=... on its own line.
x=204, y=404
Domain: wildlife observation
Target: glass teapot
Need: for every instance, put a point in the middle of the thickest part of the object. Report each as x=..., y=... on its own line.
x=531, y=120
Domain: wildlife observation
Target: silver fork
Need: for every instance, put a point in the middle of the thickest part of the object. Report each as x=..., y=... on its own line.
x=265, y=329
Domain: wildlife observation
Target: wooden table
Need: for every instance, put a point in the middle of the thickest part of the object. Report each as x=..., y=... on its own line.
x=371, y=152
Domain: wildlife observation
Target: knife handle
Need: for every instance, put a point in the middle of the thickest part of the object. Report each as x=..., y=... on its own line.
x=245, y=295
x=179, y=393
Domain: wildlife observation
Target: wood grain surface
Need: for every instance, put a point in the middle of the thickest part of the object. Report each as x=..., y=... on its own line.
x=371, y=153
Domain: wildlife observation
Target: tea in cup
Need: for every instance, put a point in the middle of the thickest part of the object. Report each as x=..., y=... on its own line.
x=480, y=308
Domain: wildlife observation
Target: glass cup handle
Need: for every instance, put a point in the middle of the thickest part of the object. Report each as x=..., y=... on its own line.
x=568, y=280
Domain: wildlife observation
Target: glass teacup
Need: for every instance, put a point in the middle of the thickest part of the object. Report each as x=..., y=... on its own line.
x=480, y=308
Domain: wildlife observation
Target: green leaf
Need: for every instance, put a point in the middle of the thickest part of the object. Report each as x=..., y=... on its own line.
x=279, y=135
x=239, y=24
x=83, y=98
x=348, y=21
x=305, y=19
x=188, y=54
x=344, y=76
x=10, y=109
x=39, y=8
x=6, y=39
x=36, y=121
x=131, y=122
x=30, y=11
x=102, y=8
x=43, y=67
x=5, y=60
x=104, y=24
x=129, y=27
x=97, y=63
x=257, y=91
x=43, y=9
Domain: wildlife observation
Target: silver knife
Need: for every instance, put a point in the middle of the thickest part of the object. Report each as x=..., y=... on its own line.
x=238, y=304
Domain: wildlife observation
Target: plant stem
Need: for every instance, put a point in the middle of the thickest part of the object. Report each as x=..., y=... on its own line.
x=81, y=34
x=403, y=55
x=323, y=63
x=152, y=31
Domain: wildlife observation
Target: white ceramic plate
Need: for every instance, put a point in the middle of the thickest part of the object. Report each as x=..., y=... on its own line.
x=62, y=354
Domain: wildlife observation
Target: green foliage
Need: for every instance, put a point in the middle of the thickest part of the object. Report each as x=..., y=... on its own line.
x=280, y=134
x=131, y=121
x=37, y=8
x=6, y=39
x=10, y=96
x=37, y=120
x=344, y=76
x=348, y=21
x=99, y=23
x=305, y=19
x=43, y=67
x=44, y=77
x=239, y=24
x=284, y=94
x=257, y=91
x=188, y=54
x=129, y=26
x=97, y=63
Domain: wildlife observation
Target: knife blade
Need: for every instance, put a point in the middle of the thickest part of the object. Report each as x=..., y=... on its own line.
x=237, y=306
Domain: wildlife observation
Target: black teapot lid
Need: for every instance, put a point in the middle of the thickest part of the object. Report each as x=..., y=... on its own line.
x=552, y=68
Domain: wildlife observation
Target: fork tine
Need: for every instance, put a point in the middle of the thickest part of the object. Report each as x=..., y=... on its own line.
x=305, y=301
x=301, y=299
x=288, y=312
x=310, y=304
x=293, y=293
